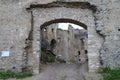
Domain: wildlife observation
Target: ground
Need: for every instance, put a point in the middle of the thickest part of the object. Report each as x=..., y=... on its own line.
x=57, y=71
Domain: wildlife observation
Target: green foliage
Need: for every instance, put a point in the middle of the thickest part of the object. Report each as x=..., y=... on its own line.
x=10, y=74
x=110, y=74
x=47, y=57
x=60, y=60
x=23, y=75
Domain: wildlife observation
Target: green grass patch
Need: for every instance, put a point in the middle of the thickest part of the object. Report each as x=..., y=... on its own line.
x=110, y=74
x=10, y=74
x=60, y=60
x=47, y=57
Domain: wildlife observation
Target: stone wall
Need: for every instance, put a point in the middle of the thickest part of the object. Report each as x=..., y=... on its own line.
x=15, y=26
x=108, y=26
x=85, y=16
x=64, y=43
x=14, y=29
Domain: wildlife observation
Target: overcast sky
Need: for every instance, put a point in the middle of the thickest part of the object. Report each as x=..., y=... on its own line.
x=64, y=26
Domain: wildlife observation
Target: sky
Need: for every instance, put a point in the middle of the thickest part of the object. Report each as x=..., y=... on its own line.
x=64, y=26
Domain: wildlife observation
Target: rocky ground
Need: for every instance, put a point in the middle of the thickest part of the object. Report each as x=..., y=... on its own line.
x=58, y=71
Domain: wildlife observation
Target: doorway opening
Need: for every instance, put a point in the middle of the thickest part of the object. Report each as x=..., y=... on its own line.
x=63, y=42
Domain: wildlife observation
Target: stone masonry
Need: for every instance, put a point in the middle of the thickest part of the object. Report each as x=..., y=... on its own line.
x=69, y=45
x=21, y=22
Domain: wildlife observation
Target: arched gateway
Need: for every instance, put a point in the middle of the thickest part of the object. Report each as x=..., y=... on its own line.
x=44, y=15
x=63, y=20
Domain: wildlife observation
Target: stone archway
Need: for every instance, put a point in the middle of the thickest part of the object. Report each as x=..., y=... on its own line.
x=72, y=40
x=64, y=20
x=41, y=17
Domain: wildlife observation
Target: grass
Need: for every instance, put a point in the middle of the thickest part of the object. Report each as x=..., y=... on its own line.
x=10, y=74
x=110, y=74
x=47, y=57
x=60, y=60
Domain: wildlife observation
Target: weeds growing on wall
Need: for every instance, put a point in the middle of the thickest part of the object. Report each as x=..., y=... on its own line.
x=110, y=74
x=10, y=74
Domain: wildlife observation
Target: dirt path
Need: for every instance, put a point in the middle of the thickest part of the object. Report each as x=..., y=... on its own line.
x=58, y=71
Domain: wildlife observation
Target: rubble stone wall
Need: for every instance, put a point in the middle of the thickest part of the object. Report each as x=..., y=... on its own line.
x=15, y=29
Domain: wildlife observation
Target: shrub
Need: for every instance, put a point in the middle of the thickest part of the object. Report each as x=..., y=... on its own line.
x=60, y=60
x=47, y=57
x=110, y=74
